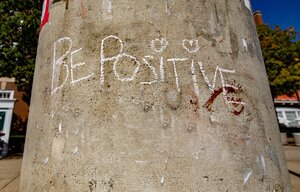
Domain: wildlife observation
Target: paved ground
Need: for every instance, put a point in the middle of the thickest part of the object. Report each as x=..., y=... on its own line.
x=292, y=154
x=10, y=174
x=10, y=170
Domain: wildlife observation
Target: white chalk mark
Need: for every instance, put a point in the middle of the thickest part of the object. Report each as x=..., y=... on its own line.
x=174, y=60
x=107, y=8
x=82, y=137
x=130, y=126
x=161, y=114
x=103, y=59
x=60, y=127
x=193, y=45
x=140, y=162
x=213, y=25
x=45, y=161
x=163, y=136
x=75, y=150
x=194, y=77
x=245, y=44
x=59, y=62
x=248, y=4
x=173, y=123
x=224, y=85
x=116, y=59
x=247, y=175
x=162, y=180
x=248, y=140
x=167, y=8
x=262, y=159
x=210, y=86
x=163, y=44
x=196, y=155
x=162, y=70
x=132, y=58
x=73, y=66
x=152, y=69
x=52, y=114
x=213, y=118
x=235, y=102
x=76, y=132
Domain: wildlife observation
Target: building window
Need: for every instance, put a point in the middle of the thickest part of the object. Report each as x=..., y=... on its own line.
x=292, y=118
x=6, y=94
x=289, y=116
x=279, y=114
x=2, y=118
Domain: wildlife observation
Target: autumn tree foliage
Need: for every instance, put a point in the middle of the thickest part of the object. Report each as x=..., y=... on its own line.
x=281, y=51
x=19, y=28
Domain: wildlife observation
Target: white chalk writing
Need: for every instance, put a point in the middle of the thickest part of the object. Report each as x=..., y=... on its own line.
x=61, y=61
x=245, y=44
x=73, y=66
x=174, y=60
x=159, y=45
x=127, y=67
x=152, y=69
x=162, y=69
x=192, y=46
x=57, y=63
x=194, y=77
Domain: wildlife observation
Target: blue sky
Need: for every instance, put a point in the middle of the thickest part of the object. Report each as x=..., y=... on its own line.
x=284, y=13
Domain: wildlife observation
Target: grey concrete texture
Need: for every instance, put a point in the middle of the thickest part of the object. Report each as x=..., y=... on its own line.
x=151, y=96
x=11, y=167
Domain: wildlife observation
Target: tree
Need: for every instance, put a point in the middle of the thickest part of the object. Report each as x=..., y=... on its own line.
x=19, y=27
x=281, y=51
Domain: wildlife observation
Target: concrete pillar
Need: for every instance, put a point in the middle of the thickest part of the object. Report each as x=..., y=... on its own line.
x=149, y=96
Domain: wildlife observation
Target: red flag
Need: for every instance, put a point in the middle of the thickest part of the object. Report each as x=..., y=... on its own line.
x=45, y=13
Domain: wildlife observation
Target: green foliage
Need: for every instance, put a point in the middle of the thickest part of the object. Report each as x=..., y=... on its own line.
x=281, y=51
x=19, y=28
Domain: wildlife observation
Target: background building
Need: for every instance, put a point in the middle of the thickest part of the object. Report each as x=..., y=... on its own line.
x=13, y=113
x=288, y=110
x=287, y=107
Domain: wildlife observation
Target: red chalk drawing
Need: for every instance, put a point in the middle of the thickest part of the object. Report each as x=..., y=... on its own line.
x=45, y=13
x=233, y=102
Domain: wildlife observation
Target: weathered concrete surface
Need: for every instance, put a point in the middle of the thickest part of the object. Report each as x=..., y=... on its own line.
x=151, y=96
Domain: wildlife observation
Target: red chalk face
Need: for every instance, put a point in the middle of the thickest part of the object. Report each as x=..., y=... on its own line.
x=234, y=101
x=231, y=98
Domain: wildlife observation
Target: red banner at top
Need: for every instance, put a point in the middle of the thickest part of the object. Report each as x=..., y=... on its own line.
x=45, y=13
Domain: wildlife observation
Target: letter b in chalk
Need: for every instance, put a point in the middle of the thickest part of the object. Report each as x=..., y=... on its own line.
x=60, y=69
